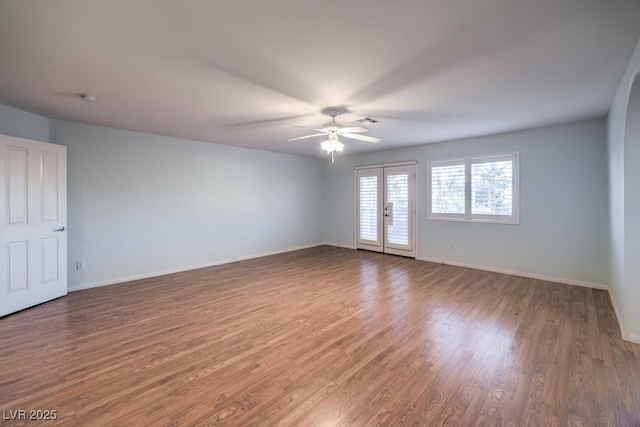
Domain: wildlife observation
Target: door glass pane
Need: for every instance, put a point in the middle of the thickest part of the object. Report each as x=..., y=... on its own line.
x=368, y=205
x=398, y=195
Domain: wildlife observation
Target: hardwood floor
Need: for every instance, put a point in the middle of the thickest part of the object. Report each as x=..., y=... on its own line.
x=322, y=337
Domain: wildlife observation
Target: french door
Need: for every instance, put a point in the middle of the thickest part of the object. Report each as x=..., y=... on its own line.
x=385, y=205
x=33, y=241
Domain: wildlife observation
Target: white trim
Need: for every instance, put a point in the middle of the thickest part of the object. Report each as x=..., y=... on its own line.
x=340, y=245
x=632, y=338
x=416, y=210
x=564, y=281
x=468, y=215
x=380, y=170
x=385, y=165
x=625, y=119
x=625, y=335
x=520, y=274
x=183, y=269
x=623, y=332
x=356, y=220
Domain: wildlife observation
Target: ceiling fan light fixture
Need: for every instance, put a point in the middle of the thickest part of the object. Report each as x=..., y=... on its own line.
x=331, y=146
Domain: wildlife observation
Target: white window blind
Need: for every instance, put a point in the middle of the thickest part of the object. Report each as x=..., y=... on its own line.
x=368, y=193
x=448, y=184
x=483, y=189
x=492, y=187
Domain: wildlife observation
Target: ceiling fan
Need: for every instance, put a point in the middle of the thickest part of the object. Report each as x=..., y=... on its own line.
x=334, y=129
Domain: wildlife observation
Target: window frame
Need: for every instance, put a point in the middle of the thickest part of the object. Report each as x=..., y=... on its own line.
x=468, y=216
x=450, y=216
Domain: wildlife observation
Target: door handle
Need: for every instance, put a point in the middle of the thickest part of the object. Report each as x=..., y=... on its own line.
x=60, y=229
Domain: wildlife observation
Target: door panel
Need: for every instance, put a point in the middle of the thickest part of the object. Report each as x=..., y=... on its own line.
x=50, y=198
x=33, y=249
x=369, y=225
x=385, y=202
x=16, y=267
x=399, y=201
x=50, y=263
x=16, y=173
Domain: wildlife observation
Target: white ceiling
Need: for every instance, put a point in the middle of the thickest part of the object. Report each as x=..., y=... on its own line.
x=244, y=72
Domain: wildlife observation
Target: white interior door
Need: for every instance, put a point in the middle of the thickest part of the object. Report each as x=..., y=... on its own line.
x=33, y=255
x=386, y=209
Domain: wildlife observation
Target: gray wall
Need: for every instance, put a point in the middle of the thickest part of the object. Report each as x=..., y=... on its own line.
x=19, y=123
x=563, y=231
x=143, y=204
x=624, y=201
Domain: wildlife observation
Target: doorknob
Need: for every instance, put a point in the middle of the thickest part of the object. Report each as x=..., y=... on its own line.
x=61, y=229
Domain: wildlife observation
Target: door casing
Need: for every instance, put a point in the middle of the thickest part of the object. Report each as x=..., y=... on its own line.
x=381, y=245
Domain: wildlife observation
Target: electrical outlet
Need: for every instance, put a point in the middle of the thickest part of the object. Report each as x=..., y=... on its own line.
x=80, y=265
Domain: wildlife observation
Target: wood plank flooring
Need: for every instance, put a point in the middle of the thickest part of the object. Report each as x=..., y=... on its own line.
x=323, y=337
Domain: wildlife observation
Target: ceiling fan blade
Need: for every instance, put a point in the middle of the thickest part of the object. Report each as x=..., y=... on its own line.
x=268, y=121
x=354, y=129
x=361, y=137
x=304, y=127
x=308, y=136
x=408, y=115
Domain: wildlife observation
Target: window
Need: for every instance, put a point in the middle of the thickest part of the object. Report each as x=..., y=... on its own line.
x=448, y=189
x=481, y=189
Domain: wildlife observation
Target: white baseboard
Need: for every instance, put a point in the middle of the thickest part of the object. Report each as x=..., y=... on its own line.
x=625, y=335
x=623, y=332
x=502, y=271
x=520, y=274
x=339, y=245
x=632, y=338
x=182, y=269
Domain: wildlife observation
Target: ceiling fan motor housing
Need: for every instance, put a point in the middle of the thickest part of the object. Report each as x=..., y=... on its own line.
x=331, y=127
